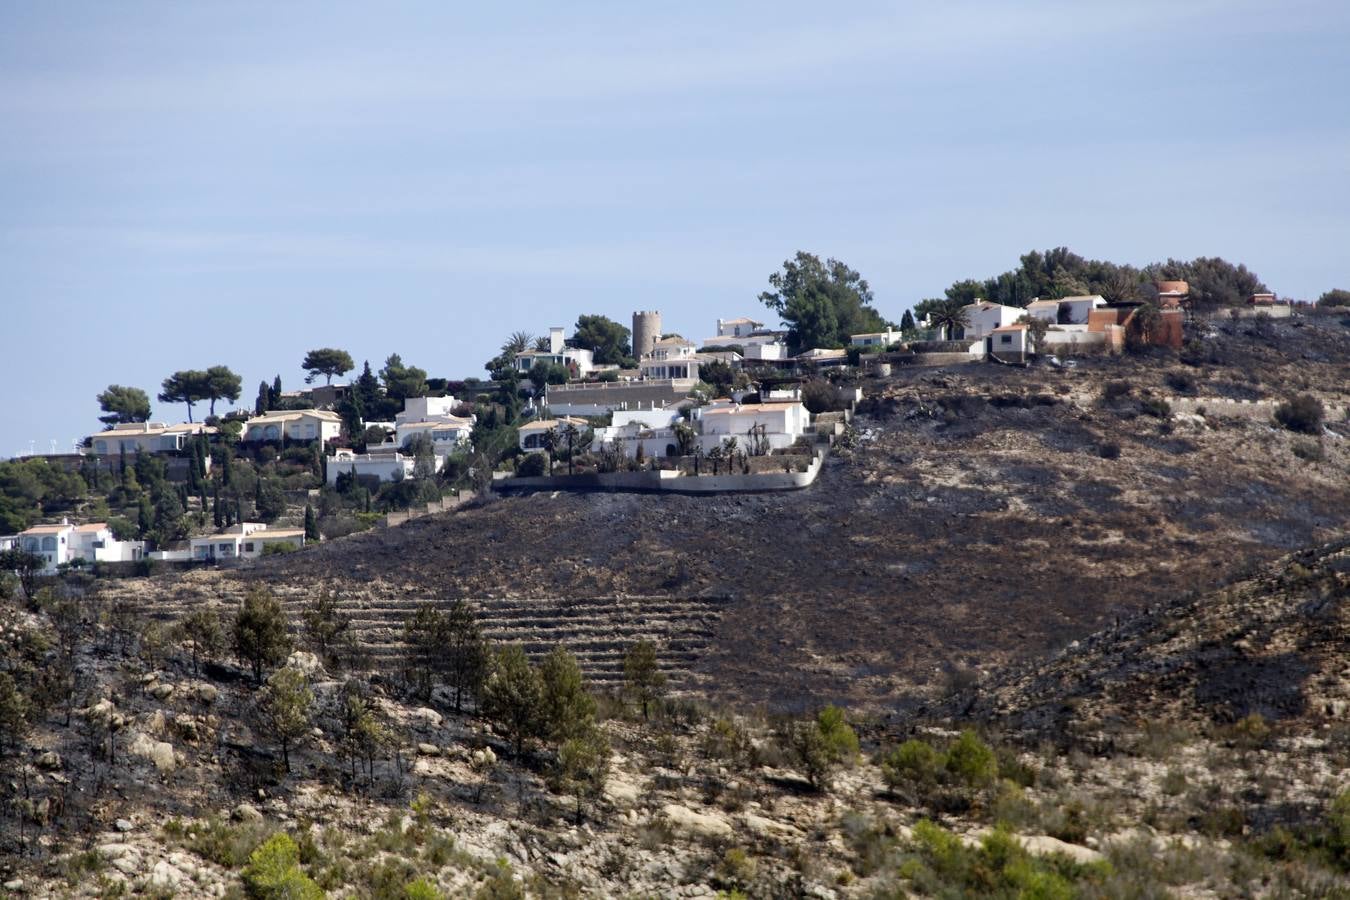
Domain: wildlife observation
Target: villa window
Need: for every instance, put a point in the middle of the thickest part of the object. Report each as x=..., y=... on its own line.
x=49, y=543
x=1006, y=339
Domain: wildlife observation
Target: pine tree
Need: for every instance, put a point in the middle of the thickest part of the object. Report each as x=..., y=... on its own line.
x=260, y=637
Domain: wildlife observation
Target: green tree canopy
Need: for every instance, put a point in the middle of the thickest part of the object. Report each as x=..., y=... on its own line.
x=188, y=386
x=512, y=696
x=221, y=384
x=1334, y=297
x=607, y=340
x=402, y=382
x=821, y=303
x=326, y=361
x=260, y=637
x=123, y=404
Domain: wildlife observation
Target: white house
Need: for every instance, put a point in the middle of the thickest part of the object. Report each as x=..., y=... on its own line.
x=65, y=543
x=377, y=462
x=984, y=317
x=293, y=425
x=448, y=433
x=1066, y=310
x=146, y=437
x=532, y=433
x=578, y=361
x=423, y=409
x=1010, y=343
x=243, y=541
x=671, y=357
x=766, y=352
x=875, y=338
x=778, y=423
x=740, y=327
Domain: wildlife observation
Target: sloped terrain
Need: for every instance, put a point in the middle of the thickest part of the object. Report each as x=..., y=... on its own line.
x=984, y=514
x=1275, y=645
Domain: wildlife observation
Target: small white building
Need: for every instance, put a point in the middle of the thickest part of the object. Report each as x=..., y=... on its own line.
x=448, y=434
x=579, y=362
x=1066, y=310
x=780, y=424
x=983, y=317
x=766, y=352
x=1010, y=343
x=293, y=425
x=741, y=327
x=64, y=543
x=383, y=462
x=532, y=433
x=423, y=409
x=673, y=358
x=875, y=338
x=146, y=437
x=243, y=541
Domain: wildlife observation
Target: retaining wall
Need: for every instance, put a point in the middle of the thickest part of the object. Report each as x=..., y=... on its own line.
x=1225, y=408
x=445, y=504
x=668, y=481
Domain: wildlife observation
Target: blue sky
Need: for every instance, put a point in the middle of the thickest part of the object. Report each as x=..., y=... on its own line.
x=189, y=184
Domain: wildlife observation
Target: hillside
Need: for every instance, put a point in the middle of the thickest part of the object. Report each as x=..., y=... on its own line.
x=976, y=520
x=1179, y=801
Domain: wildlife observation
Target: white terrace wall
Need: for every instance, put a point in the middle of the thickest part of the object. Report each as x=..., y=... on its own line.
x=667, y=481
x=1252, y=410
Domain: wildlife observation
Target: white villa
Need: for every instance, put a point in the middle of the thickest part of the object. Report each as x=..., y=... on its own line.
x=779, y=423
x=1066, y=310
x=383, y=462
x=875, y=338
x=579, y=362
x=65, y=543
x=293, y=425
x=984, y=317
x=673, y=358
x=532, y=433
x=243, y=541
x=740, y=327
x=146, y=437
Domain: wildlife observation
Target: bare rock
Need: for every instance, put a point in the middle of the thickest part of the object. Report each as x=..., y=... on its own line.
x=246, y=812
x=161, y=691
x=51, y=760
x=425, y=749
x=158, y=752
x=685, y=819
x=1044, y=845
x=303, y=661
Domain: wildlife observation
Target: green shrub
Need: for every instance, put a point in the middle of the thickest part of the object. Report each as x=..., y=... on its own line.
x=972, y=761
x=913, y=762
x=273, y=872
x=421, y=889
x=278, y=548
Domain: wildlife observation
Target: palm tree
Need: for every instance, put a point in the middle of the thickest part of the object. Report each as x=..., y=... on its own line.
x=948, y=316
x=571, y=432
x=518, y=342
x=549, y=441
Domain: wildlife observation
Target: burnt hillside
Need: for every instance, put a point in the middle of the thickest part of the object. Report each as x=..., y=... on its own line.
x=985, y=514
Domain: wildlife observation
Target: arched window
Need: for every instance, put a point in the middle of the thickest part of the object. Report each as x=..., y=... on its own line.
x=272, y=433
x=49, y=543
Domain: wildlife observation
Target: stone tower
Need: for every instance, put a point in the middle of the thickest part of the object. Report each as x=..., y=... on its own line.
x=646, y=332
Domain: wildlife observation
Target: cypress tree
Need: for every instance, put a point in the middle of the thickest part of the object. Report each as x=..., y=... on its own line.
x=274, y=395
x=311, y=524
x=215, y=507
x=264, y=401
